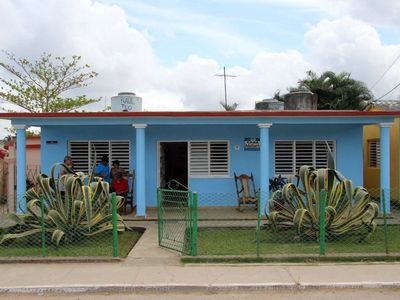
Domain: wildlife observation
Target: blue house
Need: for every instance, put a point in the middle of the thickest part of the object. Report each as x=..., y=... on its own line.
x=203, y=150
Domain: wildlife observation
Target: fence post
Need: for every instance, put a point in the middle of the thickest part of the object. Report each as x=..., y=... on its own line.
x=322, y=217
x=43, y=232
x=193, y=250
x=114, y=226
x=258, y=224
x=159, y=216
x=385, y=221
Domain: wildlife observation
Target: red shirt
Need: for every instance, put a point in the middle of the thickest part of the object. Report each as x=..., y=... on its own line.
x=120, y=186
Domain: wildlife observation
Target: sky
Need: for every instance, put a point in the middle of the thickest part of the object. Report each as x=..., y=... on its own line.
x=168, y=52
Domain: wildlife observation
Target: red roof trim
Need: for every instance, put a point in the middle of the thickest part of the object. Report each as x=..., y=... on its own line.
x=188, y=114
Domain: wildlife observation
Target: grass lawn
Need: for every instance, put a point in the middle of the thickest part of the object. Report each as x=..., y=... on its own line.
x=96, y=246
x=242, y=241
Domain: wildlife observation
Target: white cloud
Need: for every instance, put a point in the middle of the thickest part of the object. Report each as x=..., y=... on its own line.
x=349, y=45
x=379, y=13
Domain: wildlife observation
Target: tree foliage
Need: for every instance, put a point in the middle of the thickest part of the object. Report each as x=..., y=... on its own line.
x=37, y=86
x=336, y=91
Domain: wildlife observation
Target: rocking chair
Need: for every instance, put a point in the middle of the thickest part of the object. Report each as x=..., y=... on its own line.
x=245, y=190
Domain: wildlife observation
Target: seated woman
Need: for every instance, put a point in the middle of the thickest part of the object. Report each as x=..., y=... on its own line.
x=119, y=185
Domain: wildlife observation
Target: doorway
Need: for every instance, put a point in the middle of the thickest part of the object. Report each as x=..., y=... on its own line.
x=173, y=165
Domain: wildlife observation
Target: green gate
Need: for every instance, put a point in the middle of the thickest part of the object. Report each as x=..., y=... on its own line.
x=177, y=220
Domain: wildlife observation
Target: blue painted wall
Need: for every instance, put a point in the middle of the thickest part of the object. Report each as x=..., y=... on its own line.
x=213, y=191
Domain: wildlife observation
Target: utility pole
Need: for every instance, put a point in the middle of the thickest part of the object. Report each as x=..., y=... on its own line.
x=225, y=75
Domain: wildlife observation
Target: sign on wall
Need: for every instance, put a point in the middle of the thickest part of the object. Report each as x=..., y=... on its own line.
x=251, y=144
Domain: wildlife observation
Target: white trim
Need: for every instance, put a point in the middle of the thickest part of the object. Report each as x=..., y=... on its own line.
x=139, y=126
x=385, y=125
x=19, y=126
x=264, y=125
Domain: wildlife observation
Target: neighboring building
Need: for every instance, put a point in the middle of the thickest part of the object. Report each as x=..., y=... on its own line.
x=202, y=150
x=372, y=155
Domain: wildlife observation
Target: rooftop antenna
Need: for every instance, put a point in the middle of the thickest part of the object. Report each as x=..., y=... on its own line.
x=225, y=75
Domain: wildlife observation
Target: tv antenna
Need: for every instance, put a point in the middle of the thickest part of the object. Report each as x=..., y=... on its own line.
x=225, y=75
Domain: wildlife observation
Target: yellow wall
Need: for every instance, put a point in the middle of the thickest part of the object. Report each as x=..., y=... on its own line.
x=371, y=175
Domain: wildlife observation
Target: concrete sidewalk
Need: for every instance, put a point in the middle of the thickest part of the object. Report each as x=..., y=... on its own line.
x=152, y=269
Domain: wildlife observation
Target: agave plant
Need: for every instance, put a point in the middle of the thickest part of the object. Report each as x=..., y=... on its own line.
x=75, y=206
x=348, y=209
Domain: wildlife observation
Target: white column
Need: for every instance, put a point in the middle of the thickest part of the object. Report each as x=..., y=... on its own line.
x=264, y=166
x=21, y=167
x=385, y=164
x=140, y=159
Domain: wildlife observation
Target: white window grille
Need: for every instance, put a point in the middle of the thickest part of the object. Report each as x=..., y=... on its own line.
x=208, y=158
x=87, y=153
x=291, y=155
x=374, y=153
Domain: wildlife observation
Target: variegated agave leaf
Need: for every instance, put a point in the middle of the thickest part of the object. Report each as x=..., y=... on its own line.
x=347, y=209
x=82, y=208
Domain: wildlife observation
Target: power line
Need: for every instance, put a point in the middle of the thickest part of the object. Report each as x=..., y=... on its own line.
x=384, y=73
x=395, y=87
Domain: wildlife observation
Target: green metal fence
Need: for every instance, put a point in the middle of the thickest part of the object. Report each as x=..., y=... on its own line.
x=177, y=220
x=321, y=229
x=49, y=233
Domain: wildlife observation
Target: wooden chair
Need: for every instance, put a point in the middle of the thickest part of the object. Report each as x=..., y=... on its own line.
x=245, y=190
x=130, y=196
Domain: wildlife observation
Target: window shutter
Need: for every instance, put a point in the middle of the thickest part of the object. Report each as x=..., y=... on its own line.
x=79, y=151
x=304, y=154
x=199, y=158
x=208, y=158
x=321, y=153
x=374, y=153
x=120, y=150
x=291, y=155
x=87, y=153
x=219, y=158
x=284, y=157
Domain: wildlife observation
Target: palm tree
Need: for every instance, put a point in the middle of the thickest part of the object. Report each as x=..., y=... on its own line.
x=337, y=91
x=229, y=107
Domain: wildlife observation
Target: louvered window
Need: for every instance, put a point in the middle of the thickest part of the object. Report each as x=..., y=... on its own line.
x=374, y=153
x=87, y=153
x=291, y=155
x=208, y=158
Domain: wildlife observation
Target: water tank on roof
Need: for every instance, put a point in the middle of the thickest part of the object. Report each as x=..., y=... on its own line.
x=126, y=101
x=301, y=100
x=269, y=104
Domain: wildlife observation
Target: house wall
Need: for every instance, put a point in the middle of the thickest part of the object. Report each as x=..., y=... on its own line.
x=348, y=144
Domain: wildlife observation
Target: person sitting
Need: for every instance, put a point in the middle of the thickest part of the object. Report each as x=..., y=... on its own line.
x=103, y=169
x=116, y=169
x=119, y=185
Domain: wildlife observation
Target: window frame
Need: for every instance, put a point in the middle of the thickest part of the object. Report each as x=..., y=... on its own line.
x=209, y=175
x=377, y=153
x=294, y=158
x=112, y=157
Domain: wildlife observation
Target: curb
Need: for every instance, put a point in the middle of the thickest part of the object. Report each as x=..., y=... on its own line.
x=210, y=288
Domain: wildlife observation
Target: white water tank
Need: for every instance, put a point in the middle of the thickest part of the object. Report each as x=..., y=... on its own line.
x=126, y=101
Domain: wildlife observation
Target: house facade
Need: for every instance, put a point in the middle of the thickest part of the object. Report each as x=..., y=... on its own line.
x=203, y=150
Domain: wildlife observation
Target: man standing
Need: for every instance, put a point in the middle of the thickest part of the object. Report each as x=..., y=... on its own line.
x=103, y=169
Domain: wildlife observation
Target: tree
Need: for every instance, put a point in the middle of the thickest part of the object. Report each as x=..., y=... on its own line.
x=229, y=107
x=336, y=91
x=38, y=86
